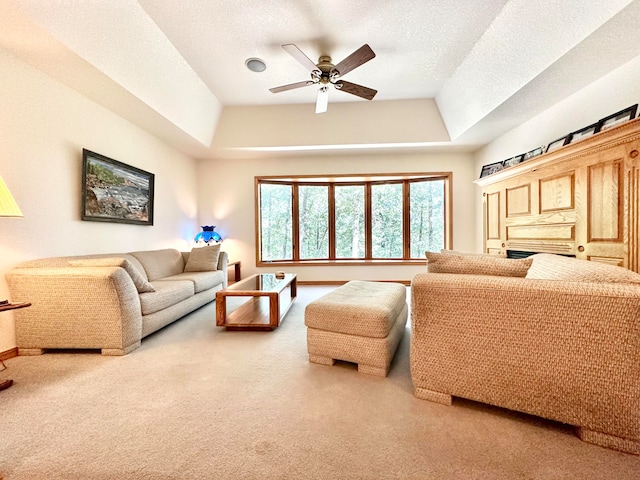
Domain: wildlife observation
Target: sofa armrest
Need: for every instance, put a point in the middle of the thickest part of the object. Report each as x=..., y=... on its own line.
x=568, y=351
x=223, y=262
x=76, y=307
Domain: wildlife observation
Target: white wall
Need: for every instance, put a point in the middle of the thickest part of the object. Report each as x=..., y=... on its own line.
x=226, y=199
x=612, y=93
x=44, y=127
x=353, y=123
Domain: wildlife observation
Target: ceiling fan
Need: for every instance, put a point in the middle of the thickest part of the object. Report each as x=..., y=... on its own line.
x=325, y=73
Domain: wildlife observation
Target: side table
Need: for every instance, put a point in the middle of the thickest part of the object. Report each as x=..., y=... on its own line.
x=10, y=306
x=236, y=269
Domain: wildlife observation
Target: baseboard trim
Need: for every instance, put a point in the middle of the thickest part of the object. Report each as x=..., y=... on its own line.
x=6, y=355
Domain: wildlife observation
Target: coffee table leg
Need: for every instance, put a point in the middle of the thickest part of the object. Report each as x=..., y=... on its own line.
x=274, y=310
x=221, y=310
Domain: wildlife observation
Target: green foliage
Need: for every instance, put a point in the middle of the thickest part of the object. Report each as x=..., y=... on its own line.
x=104, y=174
x=426, y=201
x=276, y=222
x=386, y=220
x=426, y=220
x=314, y=221
x=349, y=221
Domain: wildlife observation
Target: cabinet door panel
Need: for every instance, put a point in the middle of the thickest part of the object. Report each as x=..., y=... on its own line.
x=493, y=216
x=605, y=194
x=557, y=193
x=519, y=200
x=618, y=262
x=633, y=216
x=541, y=232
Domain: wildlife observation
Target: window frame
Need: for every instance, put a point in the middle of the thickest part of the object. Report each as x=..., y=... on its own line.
x=367, y=181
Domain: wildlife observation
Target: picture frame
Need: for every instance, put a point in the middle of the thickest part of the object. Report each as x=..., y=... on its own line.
x=534, y=153
x=584, y=132
x=558, y=143
x=510, y=162
x=113, y=191
x=491, y=169
x=618, y=118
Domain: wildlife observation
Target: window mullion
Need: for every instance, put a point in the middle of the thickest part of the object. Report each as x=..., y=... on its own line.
x=368, y=253
x=295, y=222
x=406, y=220
x=332, y=221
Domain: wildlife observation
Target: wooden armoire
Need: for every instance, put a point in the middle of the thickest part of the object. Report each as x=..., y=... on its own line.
x=582, y=199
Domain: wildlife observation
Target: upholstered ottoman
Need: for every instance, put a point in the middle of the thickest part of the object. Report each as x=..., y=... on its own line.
x=359, y=322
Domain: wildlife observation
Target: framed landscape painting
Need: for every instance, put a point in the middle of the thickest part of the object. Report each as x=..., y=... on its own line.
x=115, y=192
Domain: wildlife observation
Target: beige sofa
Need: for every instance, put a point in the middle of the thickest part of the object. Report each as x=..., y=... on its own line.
x=110, y=301
x=548, y=335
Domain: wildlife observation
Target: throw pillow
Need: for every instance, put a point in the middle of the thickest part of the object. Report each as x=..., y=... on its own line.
x=547, y=266
x=477, y=264
x=138, y=280
x=203, y=259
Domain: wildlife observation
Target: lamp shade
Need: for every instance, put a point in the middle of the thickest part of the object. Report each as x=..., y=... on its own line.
x=208, y=235
x=8, y=206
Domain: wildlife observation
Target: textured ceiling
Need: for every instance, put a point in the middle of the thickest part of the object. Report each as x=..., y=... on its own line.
x=419, y=44
x=174, y=66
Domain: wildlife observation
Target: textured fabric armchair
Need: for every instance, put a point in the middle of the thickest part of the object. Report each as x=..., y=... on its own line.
x=566, y=349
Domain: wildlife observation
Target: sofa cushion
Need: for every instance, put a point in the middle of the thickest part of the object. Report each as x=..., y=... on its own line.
x=160, y=263
x=547, y=266
x=203, y=259
x=360, y=308
x=166, y=295
x=477, y=264
x=201, y=280
x=138, y=280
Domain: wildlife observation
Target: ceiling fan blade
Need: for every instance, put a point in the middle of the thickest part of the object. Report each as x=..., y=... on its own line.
x=291, y=86
x=323, y=99
x=296, y=53
x=357, y=58
x=355, y=89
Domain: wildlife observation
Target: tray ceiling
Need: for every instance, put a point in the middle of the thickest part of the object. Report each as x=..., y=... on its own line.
x=174, y=67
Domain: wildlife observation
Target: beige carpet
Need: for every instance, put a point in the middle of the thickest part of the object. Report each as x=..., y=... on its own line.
x=198, y=402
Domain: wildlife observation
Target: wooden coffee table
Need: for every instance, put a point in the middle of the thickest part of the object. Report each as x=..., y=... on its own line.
x=269, y=300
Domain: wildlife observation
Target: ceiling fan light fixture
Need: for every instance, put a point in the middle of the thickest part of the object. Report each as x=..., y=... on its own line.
x=322, y=101
x=255, y=64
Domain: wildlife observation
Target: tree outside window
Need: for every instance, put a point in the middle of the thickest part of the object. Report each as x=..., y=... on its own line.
x=350, y=235
x=314, y=221
x=275, y=222
x=427, y=217
x=386, y=220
